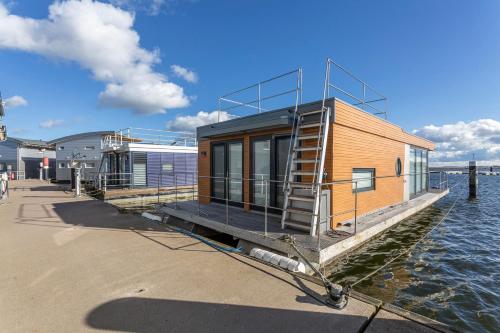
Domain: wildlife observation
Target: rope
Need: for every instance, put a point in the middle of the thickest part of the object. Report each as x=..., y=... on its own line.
x=411, y=247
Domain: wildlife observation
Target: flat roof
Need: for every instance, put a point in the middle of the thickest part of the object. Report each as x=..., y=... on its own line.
x=268, y=119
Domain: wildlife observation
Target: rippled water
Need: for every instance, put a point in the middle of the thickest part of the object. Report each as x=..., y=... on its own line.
x=453, y=275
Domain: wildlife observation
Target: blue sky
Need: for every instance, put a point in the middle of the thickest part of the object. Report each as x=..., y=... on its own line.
x=436, y=61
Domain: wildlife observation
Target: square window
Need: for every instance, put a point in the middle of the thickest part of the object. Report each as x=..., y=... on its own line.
x=62, y=165
x=89, y=165
x=60, y=148
x=89, y=147
x=365, y=179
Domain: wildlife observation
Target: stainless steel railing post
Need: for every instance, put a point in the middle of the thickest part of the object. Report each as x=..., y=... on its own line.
x=226, y=183
x=265, y=207
x=175, y=185
x=318, y=219
x=355, y=206
x=158, y=191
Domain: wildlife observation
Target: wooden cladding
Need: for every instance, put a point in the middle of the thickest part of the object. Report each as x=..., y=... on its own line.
x=356, y=140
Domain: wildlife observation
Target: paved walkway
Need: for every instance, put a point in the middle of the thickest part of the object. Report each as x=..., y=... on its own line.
x=77, y=265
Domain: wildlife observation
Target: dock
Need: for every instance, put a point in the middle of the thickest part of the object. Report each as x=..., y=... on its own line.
x=76, y=265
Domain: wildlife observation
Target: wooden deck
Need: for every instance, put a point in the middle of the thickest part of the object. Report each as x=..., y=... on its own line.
x=251, y=226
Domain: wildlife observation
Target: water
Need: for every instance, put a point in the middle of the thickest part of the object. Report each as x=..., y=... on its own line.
x=453, y=275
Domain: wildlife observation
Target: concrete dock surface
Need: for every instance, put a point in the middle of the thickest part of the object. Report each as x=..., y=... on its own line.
x=78, y=265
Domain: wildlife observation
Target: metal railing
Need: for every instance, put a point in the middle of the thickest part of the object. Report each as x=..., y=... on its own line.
x=363, y=98
x=347, y=215
x=150, y=136
x=258, y=94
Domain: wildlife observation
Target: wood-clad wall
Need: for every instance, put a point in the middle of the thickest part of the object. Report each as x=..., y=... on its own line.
x=357, y=139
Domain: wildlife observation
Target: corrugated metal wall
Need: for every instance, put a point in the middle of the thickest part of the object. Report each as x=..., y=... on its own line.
x=163, y=167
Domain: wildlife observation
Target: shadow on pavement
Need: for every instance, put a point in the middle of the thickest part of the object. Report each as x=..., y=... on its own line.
x=137, y=314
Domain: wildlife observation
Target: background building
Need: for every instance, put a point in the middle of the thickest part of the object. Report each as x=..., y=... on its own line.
x=25, y=155
x=87, y=146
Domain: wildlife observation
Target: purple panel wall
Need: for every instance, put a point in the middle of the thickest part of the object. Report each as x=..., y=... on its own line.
x=165, y=168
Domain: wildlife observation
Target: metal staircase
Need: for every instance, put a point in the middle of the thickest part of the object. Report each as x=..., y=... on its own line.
x=301, y=208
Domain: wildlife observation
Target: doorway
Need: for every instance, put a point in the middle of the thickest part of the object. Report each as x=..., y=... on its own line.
x=227, y=172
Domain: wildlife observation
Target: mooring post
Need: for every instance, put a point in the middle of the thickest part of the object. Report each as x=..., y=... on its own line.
x=473, y=181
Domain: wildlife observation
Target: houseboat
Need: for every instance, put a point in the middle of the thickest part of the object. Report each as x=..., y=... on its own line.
x=141, y=161
x=328, y=172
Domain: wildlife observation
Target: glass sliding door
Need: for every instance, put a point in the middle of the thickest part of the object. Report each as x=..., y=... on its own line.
x=235, y=171
x=218, y=171
x=261, y=157
x=227, y=166
x=418, y=171
x=412, y=171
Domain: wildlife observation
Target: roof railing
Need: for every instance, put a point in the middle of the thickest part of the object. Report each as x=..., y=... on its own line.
x=262, y=96
x=365, y=97
x=150, y=136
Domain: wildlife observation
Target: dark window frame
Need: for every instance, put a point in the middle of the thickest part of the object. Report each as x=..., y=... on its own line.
x=373, y=187
x=273, y=171
x=226, y=144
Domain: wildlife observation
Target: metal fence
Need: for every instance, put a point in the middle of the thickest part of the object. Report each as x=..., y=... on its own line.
x=436, y=181
x=150, y=136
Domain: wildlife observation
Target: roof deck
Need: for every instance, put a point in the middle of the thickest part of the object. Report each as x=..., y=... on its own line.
x=123, y=139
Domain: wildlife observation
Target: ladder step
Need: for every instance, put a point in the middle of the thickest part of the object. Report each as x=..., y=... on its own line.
x=308, y=198
x=298, y=225
x=299, y=185
x=307, y=148
x=303, y=211
x=306, y=113
x=302, y=173
x=306, y=161
x=310, y=125
x=308, y=137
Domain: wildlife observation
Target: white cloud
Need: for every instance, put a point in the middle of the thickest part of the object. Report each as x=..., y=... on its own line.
x=51, y=123
x=189, y=123
x=99, y=37
x=461, y=140
x=14, y=101
x=151, y=7
x=184, y=73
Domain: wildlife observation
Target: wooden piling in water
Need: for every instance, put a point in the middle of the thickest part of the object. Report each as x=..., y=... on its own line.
x=473, y=181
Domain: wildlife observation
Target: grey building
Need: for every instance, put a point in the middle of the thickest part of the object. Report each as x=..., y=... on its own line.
x=25, y=155
x=88, y=146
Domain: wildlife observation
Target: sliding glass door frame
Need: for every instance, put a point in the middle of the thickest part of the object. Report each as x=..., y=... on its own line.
x=274, y=187
x=226, y=166
x=419, y=167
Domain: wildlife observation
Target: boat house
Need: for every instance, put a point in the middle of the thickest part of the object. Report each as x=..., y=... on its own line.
x=332, y=173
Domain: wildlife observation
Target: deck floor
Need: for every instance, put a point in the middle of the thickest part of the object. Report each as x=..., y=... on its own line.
x=254, y=221
x=250, y=225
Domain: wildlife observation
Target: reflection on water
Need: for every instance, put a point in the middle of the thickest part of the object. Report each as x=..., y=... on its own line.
x=452, y=276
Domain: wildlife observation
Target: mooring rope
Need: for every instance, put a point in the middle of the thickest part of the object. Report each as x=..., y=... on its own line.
x=414, y=245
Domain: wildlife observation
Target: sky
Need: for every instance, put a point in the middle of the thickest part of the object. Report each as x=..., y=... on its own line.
x=75, y=66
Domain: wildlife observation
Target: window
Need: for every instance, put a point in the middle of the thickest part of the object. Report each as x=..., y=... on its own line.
x=89, y=165
x=62, y=165
x=60, y=148
x=167, y=167
x=89, y=147
x=365, y=179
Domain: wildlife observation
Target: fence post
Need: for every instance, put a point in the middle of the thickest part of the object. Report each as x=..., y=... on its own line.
x=105, y=182
x=355, y=206
x=198, y=192
x=265, y=208
x=158, y=191
x=440, y=175
x=175, y=185
x=226, y=183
